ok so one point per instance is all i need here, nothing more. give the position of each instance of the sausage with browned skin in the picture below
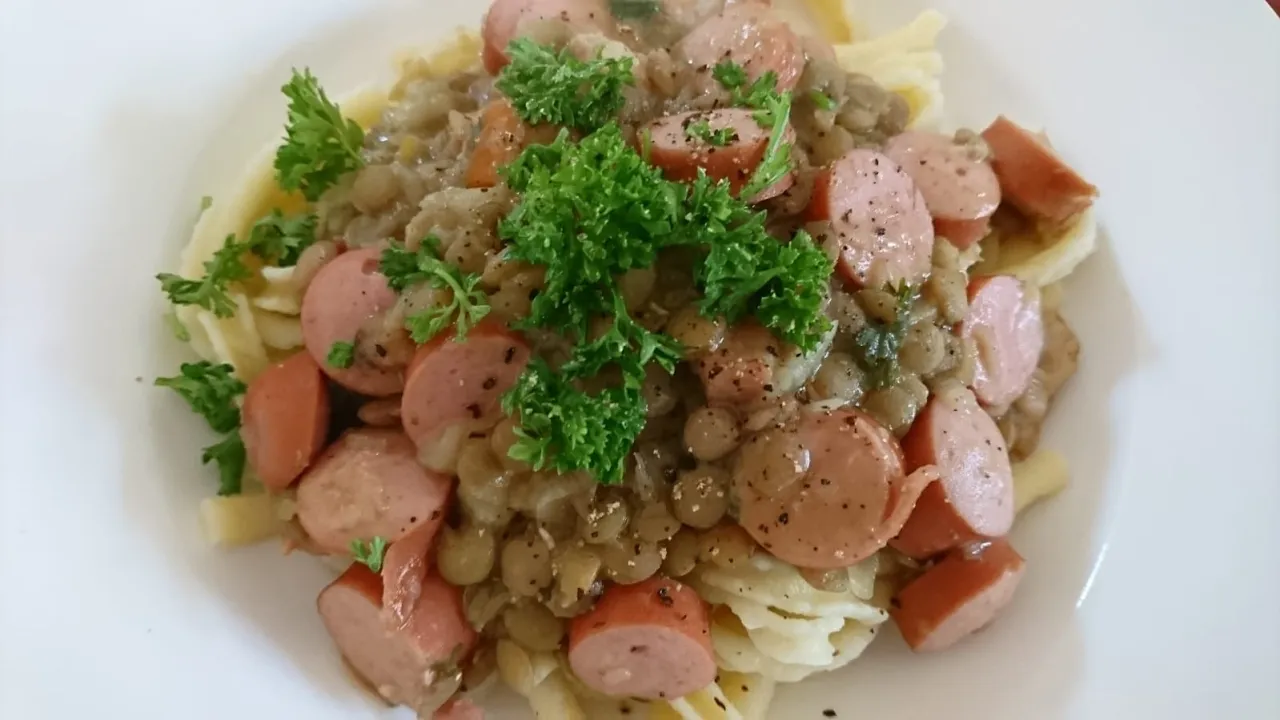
(959, 596)
(284, 420)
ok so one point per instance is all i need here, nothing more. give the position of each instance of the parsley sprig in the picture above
(878, 342)
(467, 305)
(210, 291)
(702, 131)
(371, 553)
(773, 113)
(211, 391)
(546, 86)
(280, 240)
(320, 144)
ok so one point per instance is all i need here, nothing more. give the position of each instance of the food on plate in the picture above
(643, 354)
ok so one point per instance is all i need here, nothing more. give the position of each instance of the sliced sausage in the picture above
(284, 420)
(1034, 177)
(452, 382)
(404, 569)
(741, 371)
(502, 138)
(502, 22)
(369, 484)
(974, 497)
(880, 223)
(961, 233)
(1005, 323)
(348, 297)
(649, 640)
(752, 36)
(955, 185)
(959, 596)
(828, 493)
(681, 152)
(409, 666)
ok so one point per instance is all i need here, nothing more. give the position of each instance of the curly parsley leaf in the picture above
(634, 9)
(749, 272)
(370, 553)
(546, 86)
(341, 355)
(229, 455)
(210, 291)
(467, 304)
(878, 342)
(320, 144)
(280, 240)
(626, 344)
(588, 212)
(567, 429)
(702, 131)
(773, 112)
(210, 390)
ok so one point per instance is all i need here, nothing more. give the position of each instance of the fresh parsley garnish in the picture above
(209, 292)
(822, 100)
(176, 327)
(370, 553)
(633, 9)
(546, 86)
(467, 305)
(280, 240)
(749, 272)
(773, 113)
(320, 144)
(568, 429)
(591, 211)
(878, 342)
(588, 212)
(341, 355)
(229, 455)
(206, 202)
(211, 391)
(702, 131)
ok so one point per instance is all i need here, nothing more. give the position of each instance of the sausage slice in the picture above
(955, 186)
(409, 666)
(451, 382)
(650, 640)
(829, 493)
(345, 298)
(750, 35)
(961, 233)
(974, 497)
(879, 220)
(284, 420)
(1034, 177)
(502, 23)
(741, 371)
(369, 484)
(959, 596)
(680, 151)
(1004, 321)
(404, 569)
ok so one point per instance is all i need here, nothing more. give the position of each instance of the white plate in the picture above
(116, 117)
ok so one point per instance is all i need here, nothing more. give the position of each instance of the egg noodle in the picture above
(769, 625)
